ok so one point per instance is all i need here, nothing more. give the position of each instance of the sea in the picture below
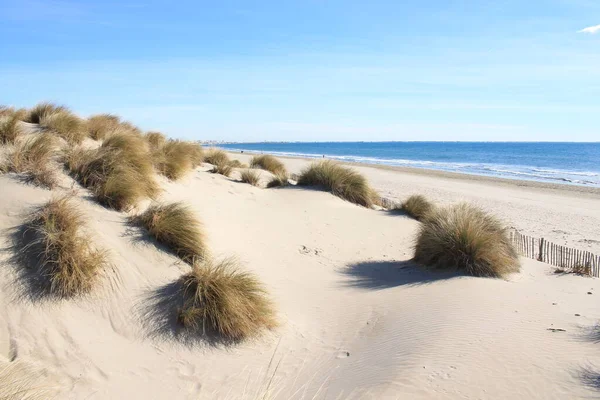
(567, 163)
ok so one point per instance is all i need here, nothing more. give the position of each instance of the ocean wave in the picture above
(496, 170)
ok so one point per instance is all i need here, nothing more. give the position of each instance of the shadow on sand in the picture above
(26, 250)
(377, 275)
(590, 377)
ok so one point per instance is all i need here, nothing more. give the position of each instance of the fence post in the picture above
(540, 255)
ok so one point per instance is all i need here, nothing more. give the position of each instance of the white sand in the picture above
(358, 320)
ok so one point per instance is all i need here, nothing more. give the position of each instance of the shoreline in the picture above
(521, 183)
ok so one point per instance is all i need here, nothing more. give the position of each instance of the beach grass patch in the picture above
(466, 239)
(175, 226)
(342, 181)
(219, 298)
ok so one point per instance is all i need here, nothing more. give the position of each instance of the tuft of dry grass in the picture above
(237, 164)
(66, 125)
(101, 126)
(175, 226)
(10, 130)
(418, 207)
(119, 173)
(10, 112)
(18, 381)
(223, 169)
(465, 238)
(268, 163)
(34, 158)
(251, 177)
(155, 139)
(175, 158)
(278, 181)
(67, 259)
(342, 181)
(216, 157)
(219, 298)
(42, 111)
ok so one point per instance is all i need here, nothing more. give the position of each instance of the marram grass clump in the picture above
(418, 207)
(42, 111)
(216, 157)
(119, 173)
(464, 238)
(219, 298)
(67, 259)
(175, 226)
(10, 130)
(66, 125)
(278, 180)
(268, 163)
(34, 158)
(342, 181)
(100, 126)
(175, 158)
(251, 177)
(223, 169)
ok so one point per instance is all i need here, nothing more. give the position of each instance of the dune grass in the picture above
(10, 130)
(175, 226)
(237, 164)
(174, 158)
(216, 157)
(278, 180)
(66, 125)
(221, 299)
(417, 206)
(34, 158)
(466, 239)
(43, 110)
(155, 139)
(100, 126)
(268, 163)
(119, 173)
(67, 259)
(18, 381)
(342, 181)
(223, 169)
(10, 112)
(251, 177)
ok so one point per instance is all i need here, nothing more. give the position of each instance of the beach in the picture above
(567, 215)
(357, 318)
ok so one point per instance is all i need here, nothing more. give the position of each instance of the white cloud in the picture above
(591, 29)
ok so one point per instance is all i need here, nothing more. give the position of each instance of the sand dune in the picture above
(358, 319)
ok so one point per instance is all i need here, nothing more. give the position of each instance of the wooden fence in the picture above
(569, 259)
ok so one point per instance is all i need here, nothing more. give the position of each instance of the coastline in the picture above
(567, 215)
(562, 187)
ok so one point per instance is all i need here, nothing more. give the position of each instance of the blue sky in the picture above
(314, 70)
